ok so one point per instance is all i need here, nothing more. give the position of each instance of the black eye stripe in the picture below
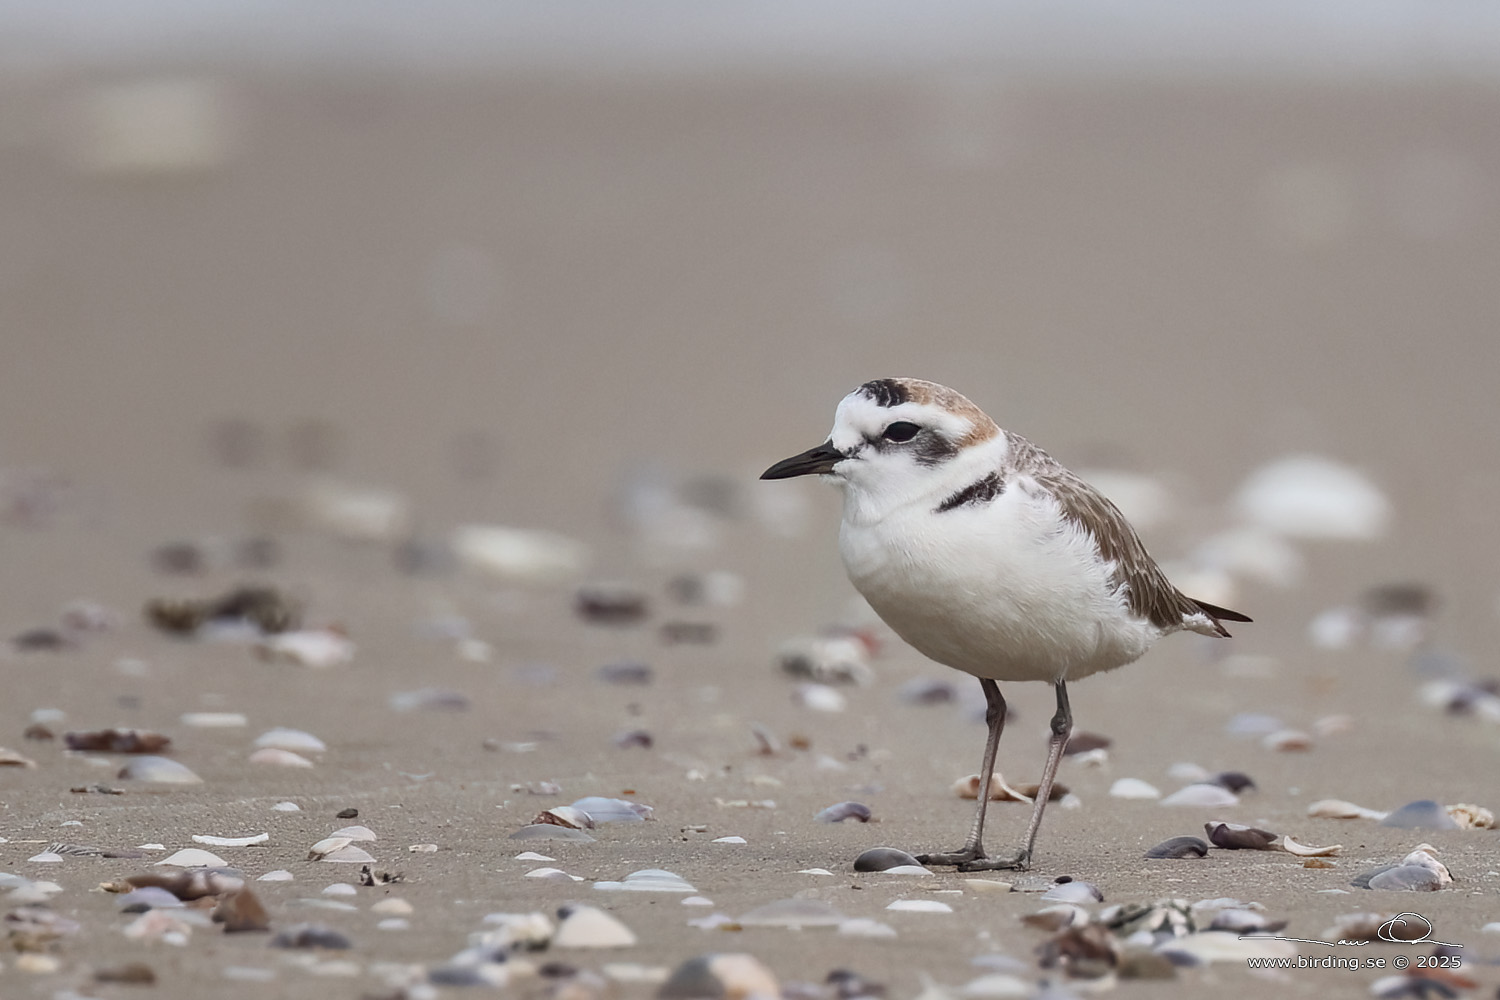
(901, 431)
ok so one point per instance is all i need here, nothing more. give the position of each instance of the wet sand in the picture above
(682, 277)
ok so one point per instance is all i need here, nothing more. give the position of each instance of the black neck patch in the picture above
(886, 392)
(981, 492)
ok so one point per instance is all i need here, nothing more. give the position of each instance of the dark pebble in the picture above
(633, 739)
(928, 691)
(1083, 742)
(878, 859)
(131, 973)
(844, 810)
(689, 633)
(311, 936)
(625, 673)
(848, 985)
(40, 640)
(611, 604)
(1235, 781)
(1179, 847)
(350, 813)
(1234, 837)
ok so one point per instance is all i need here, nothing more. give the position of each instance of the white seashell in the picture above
(279, 758)
(1224, 946)
(1425, 857)
(287, 807)
(1098, 757)
(729, 840)
(167, 926)
(997, 984)
(697, 901)
(340, 889)
(429, 849)
(46, 858)
(215, 720)
(634, 972)
(556, 874)
(1201, 795)
(1303, 851)
(920, 906)
(1471, 817)
(814, 871)
(648, 880)
(193, 857)
(867, 928)
(359, 833)
(259, 838)
(819, 698)
(1184, 771)
(1308, 496)
(589, 927)
(358, 514)
(968, 788)
(350, 855)
(905, 870)
(827, 660)
(393, 906)
(532, 856)
(1493, 927)
(315, 648)
(158, 770)
(294, 740)
(1332, 725)
(1287, 740)
(1134, 788)
(1339, 809)
(279, 875)
(393, 924)
(1337, 628)
(519, 555)
(606, 810)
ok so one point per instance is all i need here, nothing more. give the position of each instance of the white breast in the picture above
(1008, 590)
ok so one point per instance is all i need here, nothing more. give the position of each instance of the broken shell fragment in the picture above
(606, 810)
(879, 859)
(1287, 740)
(1339, 809)
(1303, 851)
(1179, 847)
(1469, 816)
(259, 838)
(567, 816)
(1055, 918)
(827, 660)
(1235, 837)
(518, 555)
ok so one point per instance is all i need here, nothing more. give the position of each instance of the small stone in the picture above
(116, 741)
(879, 859)
(720, 977)
(1235, 837)
(311, 936)
(241, 911)
(842, 811)
(349, 813)
(1179, 847)
(131, 973)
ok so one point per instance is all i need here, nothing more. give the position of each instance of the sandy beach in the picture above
(600, 307)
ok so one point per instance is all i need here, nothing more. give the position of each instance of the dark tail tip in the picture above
(1221, 614)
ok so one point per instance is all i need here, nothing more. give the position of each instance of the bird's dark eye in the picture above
(901, 430)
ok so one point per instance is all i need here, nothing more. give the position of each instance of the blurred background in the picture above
(553, 265)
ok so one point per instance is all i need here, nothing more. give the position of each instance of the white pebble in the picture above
(295, 740)
(920, 906)
(730, 840)
(865, 927)
(1201, 795)
(287, 807)
(820, 698)
(533, 856)
(215, 720)
(1134, 788)
(394, 924)
(392, 906)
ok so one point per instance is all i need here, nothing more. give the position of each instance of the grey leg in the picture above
(1062, 727)
(994, 717)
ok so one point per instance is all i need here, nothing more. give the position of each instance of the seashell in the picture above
(1239, 920)
(605, 810)
(842, 811)
(9, 758)
(1332, 725)
(549, 831)
(1213, 796)
(1303, 851)
(358, 513)
(625, 673)
(1424, 814)
(556, 874)
(131, 973)
(214, 720)
(1188, 772)
(611, 604)
(279, 875)
(819, 698)
(567, 816)
(241, 911)
(422, 848)
(193, 857)
(919, 906)
(1205, 947)
(294, 740)
(1056, 918)
(648, 880)
(159, 925)
(311, 936)
(349, 855)
(327, 846)
(1074, 891)
(41, 639)
(866, 928)
(968, 788)
(316, 648)
(1179, 847)
(150, 897)
(1407, 878)
(117, 741)
(827, 660)
(1087, 952)
(1252, 724)
(435, 699)
(393, 905)
(1471, 816)
(722, 976)
(879, 859)
(277, 757)
(1425, 856)
(356, 833)
(1308, 496)
(1287, 741)
(518, 555)
(590, 927)
(716, 588)
(46, 858)
(259, 838)
(729, 840)
(1234, 837)
(1134, 788)
(793, 913)
(1339, 809)
(286, 807)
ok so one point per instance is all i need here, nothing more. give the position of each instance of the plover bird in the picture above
(985, 554)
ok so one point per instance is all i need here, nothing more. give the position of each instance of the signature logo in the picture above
(1403, 928)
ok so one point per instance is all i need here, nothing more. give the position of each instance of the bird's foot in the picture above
(962, 856)
(1020, 861)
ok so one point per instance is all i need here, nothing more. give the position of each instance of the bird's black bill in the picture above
(814, 461)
